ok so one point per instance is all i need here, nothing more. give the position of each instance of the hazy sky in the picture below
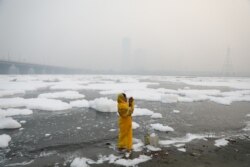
(180, 35)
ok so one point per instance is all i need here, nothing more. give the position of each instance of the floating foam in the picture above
(221, 142)
(152, 148)
(185, 99)
(221, 100)
(46, 104)
(9, 123)
(144, 94)
(182, 149)
(67, 85)
(15, 111)
(156, 115)
(176, 111)
(112, 159)
(103, 104)
(179, 145)
(112, 130)
(24, 163)
(4, 140)
(162, 128)
(137, 145)
(23, 122)
(110, 92)
(132, 162)
(47, 135)
(247, 128)
(193, 92)
(65, 94)
(81, 162)
(135, 125)
(12, 102)
(10, 92)
(80, 103)
(169, 98)
(237, 83)
(23, 86)
(107, 86)
(34, 103)
(142, 111)
(188, 138)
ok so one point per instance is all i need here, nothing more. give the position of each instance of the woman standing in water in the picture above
(125, 110)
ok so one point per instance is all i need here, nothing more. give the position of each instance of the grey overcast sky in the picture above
(164, 35)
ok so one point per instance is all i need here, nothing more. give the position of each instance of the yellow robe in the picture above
(125, 123)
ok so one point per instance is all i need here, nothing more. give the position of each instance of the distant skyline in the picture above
(188, 36)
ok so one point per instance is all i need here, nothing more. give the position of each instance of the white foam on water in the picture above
(111, 159)
(140, 91)
(103, 104)
(195, 92)
(156, 115)
(4, 140)
(80, 103)
(12, 102)
(142, 111)
(188, 138)
(64, 94)
(160, 127)
(120, 86)
(144, 94)
(169, 98)
(10, 92)
(247, 127)
(22, 86)
(81, 162)
(221, 100)
(182, 149)
(46, 104)
(21, 163)
(47, 135)
(221, 142)
(176, 111)
(135, 125)
(179, 145)
(237, 83)
(34, 103)
(103, 158)
(67, 85)
(185, 99)
(9, 123)
(23, 122)
(110, 92)
(132, 162)
(137, 145)
(152, 148)
(14, 111)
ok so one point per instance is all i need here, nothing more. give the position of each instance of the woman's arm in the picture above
(131, 106)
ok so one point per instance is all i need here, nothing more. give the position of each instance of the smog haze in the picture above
(128, 35)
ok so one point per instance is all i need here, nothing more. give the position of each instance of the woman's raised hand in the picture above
(130, 101)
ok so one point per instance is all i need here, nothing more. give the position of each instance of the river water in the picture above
(55, 138)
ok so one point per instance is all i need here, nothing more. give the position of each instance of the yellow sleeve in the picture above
(123, 109)
(131, 109)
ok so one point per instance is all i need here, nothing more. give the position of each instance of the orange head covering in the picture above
(121, 98)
